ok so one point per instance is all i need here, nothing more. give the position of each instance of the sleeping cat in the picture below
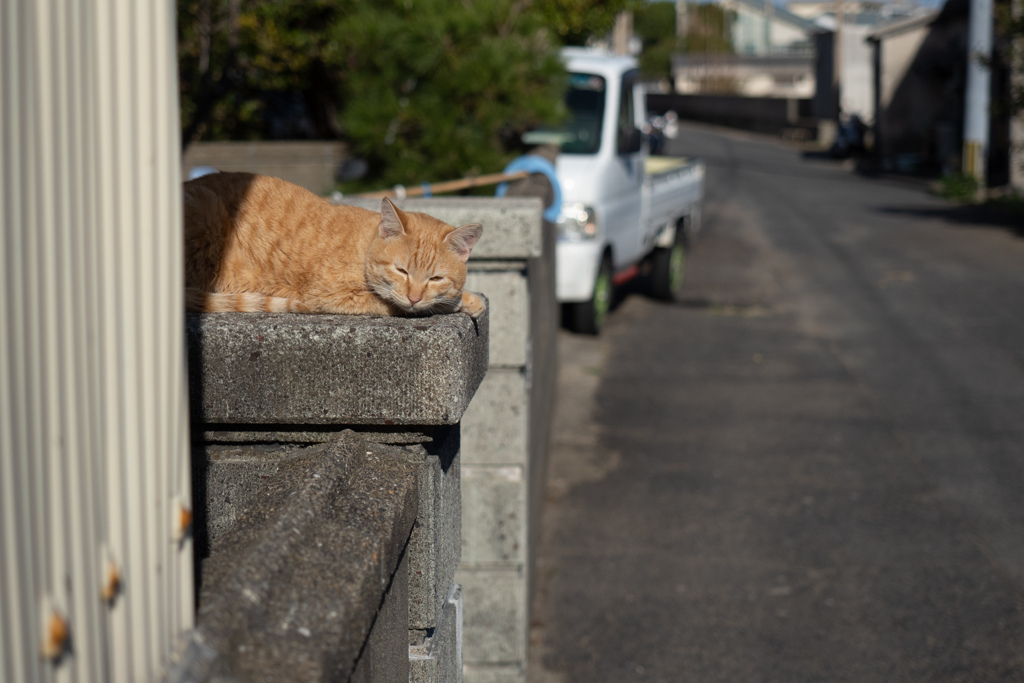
(256, 243)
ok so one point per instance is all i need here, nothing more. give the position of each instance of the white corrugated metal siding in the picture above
(94, 463)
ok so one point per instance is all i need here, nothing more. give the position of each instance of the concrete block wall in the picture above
(505, 429)
(312, 164)
(505, 435)
(328, 507)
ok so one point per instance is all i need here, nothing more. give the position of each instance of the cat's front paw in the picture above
(472, 304)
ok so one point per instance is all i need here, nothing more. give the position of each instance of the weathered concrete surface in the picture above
(435, 547)
(508, 673)
(505, 443)
(311, 164)
(496, 609)
(300, 369)
(437, 658)
(385, 657)
(303, 543)
(496, 533)
(510, 224)
(495, 428)
(508, 293)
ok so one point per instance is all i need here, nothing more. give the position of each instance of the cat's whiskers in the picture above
(381, 287)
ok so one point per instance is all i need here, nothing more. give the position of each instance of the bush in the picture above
(959, 187)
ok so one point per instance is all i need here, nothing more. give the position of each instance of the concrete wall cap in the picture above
(302, 369)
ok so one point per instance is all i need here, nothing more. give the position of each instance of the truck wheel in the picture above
(668, 268)
(587, 317)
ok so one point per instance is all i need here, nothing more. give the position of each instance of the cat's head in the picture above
(417, 262)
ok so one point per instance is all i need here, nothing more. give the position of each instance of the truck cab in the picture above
(605, 228)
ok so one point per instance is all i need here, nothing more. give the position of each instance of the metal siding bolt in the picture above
(112, 585)
(183, 522)
(56, 636)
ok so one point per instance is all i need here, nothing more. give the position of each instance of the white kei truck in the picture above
(624, 213)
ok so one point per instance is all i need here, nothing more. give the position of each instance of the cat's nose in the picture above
(415, 299)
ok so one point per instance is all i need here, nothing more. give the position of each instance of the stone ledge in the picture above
(304, 542)
(304, 369)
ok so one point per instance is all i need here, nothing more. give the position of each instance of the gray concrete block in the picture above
(494, 527)
(437, 658)
(384, 659)
(303, 543)
(508, 297)
(311, 434)
(302, 369)
(512, 227)
(494, 616)
(311, 164)
(494, 674)
(495, 426)
(435, 546)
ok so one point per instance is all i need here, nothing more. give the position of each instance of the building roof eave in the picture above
(902, 26)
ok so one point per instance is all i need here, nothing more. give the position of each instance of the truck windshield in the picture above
(581, 134)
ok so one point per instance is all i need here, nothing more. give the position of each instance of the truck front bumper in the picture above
(576, 267)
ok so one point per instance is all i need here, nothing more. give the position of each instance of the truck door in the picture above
(625, 179)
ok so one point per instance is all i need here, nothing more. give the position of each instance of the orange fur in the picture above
(256, 243)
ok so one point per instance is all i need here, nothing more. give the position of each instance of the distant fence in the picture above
(312, 164)
(762, 114)
(778, 75)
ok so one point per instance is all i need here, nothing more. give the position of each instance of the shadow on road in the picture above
(998, 215)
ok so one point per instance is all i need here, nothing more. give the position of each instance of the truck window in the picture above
(581, 134)
(585, 99)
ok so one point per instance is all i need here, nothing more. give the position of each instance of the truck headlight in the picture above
(576, 223)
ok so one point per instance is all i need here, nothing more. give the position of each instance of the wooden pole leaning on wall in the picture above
(428, 189)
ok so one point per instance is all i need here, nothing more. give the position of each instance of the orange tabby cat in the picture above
(256, 243)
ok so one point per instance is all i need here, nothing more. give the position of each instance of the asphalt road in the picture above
(811, 468)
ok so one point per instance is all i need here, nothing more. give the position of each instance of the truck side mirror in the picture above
(630, 140)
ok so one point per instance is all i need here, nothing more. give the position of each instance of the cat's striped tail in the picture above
(247, 302)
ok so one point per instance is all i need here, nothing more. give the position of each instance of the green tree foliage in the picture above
(655, 24)
(237, 60)
(422, 89)
(577, 20)
(432, 87)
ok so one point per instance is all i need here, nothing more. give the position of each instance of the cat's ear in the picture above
(462, 240)
(390, 220)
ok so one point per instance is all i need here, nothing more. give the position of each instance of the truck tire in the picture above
(668, 266)
(588, 317)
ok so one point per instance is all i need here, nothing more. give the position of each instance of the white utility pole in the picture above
(976, 95)
(622, 32)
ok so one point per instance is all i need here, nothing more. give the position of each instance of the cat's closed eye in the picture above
(437, 278)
